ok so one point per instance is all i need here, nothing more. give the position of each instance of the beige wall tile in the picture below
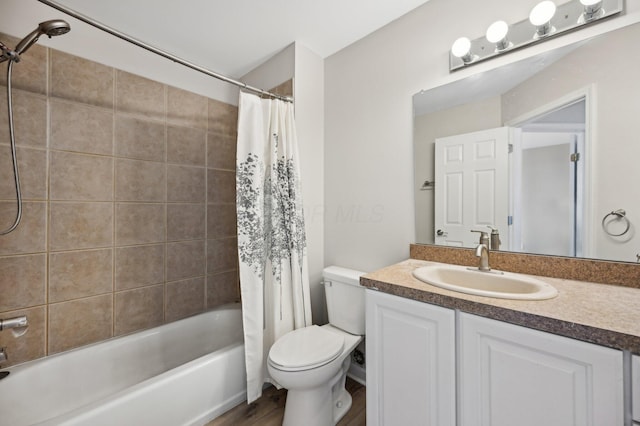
(81, 128)
(138, 223)
(221, 151)
(31, 234)
(22, 281)
(80, 225)
(223, 118)
(29, 119)
(80, 177)
(93, 288)
(80, 322)
(31, 72)
(184, 298)
(186, 184)
(81, 80)
(77, 274)
(221, 186)
(32, 167)
(30, 345)
(185, 221)
(186, 108)
(185, 260)
(139, 309)
(140, 180)
(222, 288)
(139, 95)
(221, 221)
(139, 266)
(222, 255)
(186, 146)
(139, 139)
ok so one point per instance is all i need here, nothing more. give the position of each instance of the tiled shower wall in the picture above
(129, 203)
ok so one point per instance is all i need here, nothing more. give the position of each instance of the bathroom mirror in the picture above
(544, 150)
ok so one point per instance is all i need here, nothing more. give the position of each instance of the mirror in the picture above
(560, 178)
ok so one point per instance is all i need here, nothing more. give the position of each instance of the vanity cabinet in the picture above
(515, 375)
(426, 364)
(410, 362)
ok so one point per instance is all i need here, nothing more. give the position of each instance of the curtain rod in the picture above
(162, 53)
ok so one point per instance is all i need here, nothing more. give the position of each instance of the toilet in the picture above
(312, 362)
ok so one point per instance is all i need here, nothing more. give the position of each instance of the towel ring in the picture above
(620, 214)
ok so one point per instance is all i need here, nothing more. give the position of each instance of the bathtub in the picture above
(182, 373)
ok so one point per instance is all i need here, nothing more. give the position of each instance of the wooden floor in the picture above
(269, 409)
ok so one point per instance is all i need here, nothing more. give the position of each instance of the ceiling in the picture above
(234, 36)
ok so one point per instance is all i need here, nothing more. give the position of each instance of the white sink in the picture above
(503, 285)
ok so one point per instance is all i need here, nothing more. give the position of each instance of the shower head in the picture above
(51, 28)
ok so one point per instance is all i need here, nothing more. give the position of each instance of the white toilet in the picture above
(312, 362)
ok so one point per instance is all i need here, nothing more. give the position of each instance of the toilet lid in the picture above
(306, 348)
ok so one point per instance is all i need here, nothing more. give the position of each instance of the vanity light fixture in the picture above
(540, 17)
(497, 34)
(592, 9)
(546, 20)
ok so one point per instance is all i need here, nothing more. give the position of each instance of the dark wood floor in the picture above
(269, 409)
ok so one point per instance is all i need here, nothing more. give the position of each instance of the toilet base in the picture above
(311, 407)
(341, 405)
(320, 406)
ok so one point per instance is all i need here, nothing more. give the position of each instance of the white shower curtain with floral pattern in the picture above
(274, 281)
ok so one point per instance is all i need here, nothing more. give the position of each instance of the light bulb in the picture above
(461, 48)
(541, 15)
(497, 33)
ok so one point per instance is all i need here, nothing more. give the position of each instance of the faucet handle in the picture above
(484, 237)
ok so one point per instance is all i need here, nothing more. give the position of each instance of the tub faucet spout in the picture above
(17, 322)
(483, 253)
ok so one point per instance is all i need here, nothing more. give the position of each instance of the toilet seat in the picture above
(305, 348)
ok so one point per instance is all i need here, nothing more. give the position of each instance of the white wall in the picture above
(368, 119)
(309, 94)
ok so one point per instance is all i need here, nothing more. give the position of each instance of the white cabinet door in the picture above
(512, 375)
(410, 362)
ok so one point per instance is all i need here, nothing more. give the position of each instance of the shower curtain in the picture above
(274, 281)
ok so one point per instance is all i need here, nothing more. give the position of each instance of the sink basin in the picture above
(503, 285)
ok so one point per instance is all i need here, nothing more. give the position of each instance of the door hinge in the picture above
(510, 148)
(509, 220)
(575, 157)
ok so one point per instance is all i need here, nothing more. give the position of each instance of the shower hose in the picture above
(13, 153)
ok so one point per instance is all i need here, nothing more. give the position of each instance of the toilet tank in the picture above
(345, 299)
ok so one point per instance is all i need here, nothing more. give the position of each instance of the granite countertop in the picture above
(607, 315)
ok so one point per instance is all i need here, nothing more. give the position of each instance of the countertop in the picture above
(607, 315)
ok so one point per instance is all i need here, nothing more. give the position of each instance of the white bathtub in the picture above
(182, 373)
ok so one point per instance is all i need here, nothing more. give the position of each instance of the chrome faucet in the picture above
(482, 251)
(17, 322)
